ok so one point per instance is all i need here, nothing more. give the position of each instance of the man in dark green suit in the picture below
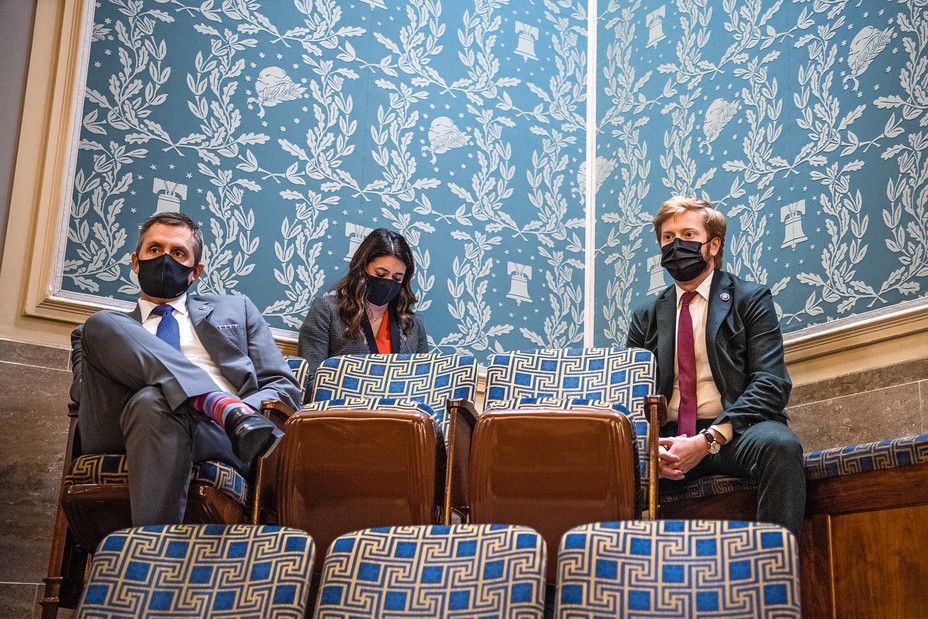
(734, 384)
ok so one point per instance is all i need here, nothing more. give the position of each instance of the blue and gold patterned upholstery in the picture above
(623, 375)
(678, 568)
(708, 485)
(580, 378)
(219, 571)
(878, 456)
(106, 469)
(300, 368)
(456, 571)
(429, 378)
(821, 464)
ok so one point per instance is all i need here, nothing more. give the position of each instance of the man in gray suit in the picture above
(180, 378)
(727, 388)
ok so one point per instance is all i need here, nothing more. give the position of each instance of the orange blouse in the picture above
(383, 335)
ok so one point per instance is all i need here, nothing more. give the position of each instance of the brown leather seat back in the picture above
(345, 470)
(552, 470)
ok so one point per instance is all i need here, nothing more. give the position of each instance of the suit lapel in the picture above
(666, 309)
(721, 300)
(225, 354)
(199, 311)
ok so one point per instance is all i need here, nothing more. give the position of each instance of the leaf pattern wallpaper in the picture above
(803, 121)
(290, 128)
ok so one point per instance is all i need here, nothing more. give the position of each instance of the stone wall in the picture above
(34, 382)
(867, 406)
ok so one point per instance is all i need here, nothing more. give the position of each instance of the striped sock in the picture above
(216, 404)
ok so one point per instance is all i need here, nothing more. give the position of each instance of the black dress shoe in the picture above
(252, 434)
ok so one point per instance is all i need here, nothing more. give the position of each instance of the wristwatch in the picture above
(713, 446)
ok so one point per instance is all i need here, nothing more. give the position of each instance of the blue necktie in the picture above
(168, 329)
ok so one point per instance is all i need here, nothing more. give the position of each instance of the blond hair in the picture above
(712, 219)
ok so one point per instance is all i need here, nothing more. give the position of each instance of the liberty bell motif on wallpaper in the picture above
(527, 37)
(791, 215)
(356, 235)
(656, 272)
(518, 287)
(655, 20)
(169, 195)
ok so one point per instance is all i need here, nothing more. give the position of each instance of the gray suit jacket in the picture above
(744, 345)
(323, 335)
(237, 338)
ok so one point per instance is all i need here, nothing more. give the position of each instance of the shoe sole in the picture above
(271, 445)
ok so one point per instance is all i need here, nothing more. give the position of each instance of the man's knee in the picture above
(149, 408)
(780, 448)
(98, 329)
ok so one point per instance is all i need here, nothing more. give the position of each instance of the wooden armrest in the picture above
(656, 413)
(463, 417)
(266, 468)
(276, 411)
(465, 409)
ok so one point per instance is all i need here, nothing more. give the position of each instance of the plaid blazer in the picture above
(323, 335)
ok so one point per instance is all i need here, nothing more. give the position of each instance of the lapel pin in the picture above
(725, 296)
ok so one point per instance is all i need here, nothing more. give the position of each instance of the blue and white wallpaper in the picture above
(290, 129)
(804, 121)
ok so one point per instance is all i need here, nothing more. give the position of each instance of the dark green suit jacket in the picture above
(743, 342)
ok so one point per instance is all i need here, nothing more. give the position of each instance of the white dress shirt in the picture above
(708, 398)
(190, 345)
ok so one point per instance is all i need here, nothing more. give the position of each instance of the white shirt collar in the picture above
(179, 304)
(703, 288)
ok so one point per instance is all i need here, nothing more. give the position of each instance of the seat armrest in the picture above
(656, 413)
(265, 482)
(462, 415)
(276, 411)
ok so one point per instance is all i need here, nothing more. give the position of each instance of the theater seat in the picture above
(94, 502)
(622, 380)
(678, 568)
(865, 505)
(551, 470)
(194, 571)
(443, 386)
(454, 572)
(344, 469)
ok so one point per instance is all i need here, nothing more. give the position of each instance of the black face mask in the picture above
(683, 259)
(163, 277)
(381, 291)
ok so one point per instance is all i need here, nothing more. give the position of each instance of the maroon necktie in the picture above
(686, 368)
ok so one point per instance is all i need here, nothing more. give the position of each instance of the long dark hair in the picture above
(351, 291)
